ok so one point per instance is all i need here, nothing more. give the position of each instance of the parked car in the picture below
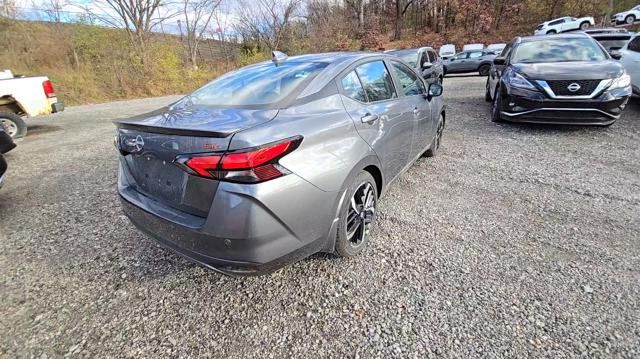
(496, 48)
(565, 79)
(446, 51)
(424, 60)
(564, 24)
(469, 61)
(6, 145)
(611, 39)
(273, 162)
(469, 47)
(22, 97)
(627, 17)
(630, 59)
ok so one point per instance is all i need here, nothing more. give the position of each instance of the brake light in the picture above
(252, 165)
(47, 86)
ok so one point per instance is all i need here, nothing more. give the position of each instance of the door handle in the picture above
(369, 118)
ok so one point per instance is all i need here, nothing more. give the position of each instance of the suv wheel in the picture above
(487, 92)
(497, 107)
(484, 70)
(551, 32)
(13, 125)
(584, 25)
(630, 19)
(357, 216)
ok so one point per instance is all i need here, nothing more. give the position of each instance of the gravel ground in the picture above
(514, 241)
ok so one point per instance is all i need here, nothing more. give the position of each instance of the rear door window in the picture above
(475, 54)
(634, 45)
(410, 84)
(353, 88)
(376, 81)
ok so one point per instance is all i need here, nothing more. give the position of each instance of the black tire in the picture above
(497, 107)
(13, 125)
(487, 92)
(444, 71)
(630, 19)
(584, 25)
(484, 70)
(551, 32)
(437, 139)
(347, 244)
(440, 80)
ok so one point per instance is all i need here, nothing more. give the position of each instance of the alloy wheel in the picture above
(361, 214)
(9, 126)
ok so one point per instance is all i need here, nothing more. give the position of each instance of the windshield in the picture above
(409, 56)
(558, 50)
(262, 84)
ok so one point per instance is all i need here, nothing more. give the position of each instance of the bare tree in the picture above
(401, 9)
(267, 21)
(8, 9)
(198, 15)
(53, 9)
(358, 7)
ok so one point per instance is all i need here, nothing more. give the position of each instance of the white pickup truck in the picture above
(23, 97)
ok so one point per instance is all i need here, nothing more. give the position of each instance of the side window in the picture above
(353, 88)
(423, 58)
(634, 45)
(475, 54)
(376, 81)
(410, 83)
(506, 51)
(557, 22)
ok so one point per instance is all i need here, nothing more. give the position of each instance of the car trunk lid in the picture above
(149, 145)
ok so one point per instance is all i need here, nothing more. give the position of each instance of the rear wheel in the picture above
(484, 70)
(357, 216)
(584, 25)
(551, 32)
(437, 139)
(13, 125)
(630, 19)
(497, 107)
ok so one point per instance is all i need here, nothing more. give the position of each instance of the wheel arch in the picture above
(10, 104)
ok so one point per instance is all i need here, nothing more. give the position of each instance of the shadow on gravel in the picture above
(35, 130)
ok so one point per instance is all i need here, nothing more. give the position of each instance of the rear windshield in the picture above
(558, 50)
(263, 84)
(409, 56)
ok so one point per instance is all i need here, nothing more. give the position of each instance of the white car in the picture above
(469, 47)
(497, 48)
(630, 59)
(22, 97)
(564, 24)
(447, 50)
(627, 17)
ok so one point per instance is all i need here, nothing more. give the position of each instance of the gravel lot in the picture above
(514, 241)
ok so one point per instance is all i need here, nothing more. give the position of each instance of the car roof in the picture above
(331, 57)
(573, 35)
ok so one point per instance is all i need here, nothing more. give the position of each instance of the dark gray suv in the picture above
(276, 161)
(425, 61)
(470, 61)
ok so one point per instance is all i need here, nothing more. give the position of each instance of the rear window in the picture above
(263, 84)
(558, 50)
(409, 56)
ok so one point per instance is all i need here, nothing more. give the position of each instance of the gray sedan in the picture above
(273, 162)
(470, 61)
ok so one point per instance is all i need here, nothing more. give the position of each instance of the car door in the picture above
(457, 63)
(427, 74)
(496, 70)
(413, 90)
(570, 24)
(473, 61)
(382, 119)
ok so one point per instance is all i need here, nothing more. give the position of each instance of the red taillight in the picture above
(47, 86)
(245, 166)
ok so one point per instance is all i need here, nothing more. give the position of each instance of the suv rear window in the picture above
(262, 84)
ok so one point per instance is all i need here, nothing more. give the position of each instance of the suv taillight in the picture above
(251, 165)
(47, 86)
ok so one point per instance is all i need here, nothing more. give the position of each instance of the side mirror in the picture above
(426, 65)
(435, 90)
(499, 61)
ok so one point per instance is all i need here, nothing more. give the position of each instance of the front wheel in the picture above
(13, 125)
(630, 19)
(551, 32)
(437, 138)
(487, 92)
(584, 25)
(497, 107)
(357, 216)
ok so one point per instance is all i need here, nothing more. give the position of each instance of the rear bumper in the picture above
(57, 106)
(249, 230)
(533, 107)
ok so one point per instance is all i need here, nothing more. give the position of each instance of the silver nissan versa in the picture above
(276, 161)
